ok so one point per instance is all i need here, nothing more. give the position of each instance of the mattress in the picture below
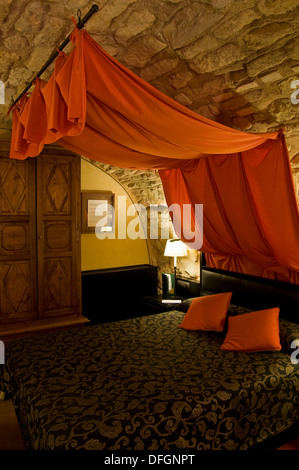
(146, 384)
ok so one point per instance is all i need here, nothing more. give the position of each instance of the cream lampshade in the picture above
(175, 248)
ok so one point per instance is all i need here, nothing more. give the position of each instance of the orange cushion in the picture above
(207, 313)
(254, 331)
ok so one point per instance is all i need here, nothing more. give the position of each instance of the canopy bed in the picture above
(171, 387)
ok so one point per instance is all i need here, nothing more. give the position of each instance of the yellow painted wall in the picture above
(109, 253)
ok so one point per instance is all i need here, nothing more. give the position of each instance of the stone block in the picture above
(183, 99)
(282, 110)
(292, 49)
(199, 47)
(267, 61)
(239, 75)
(142, 50)
(17, 43)
(209, 88)
(247, 87)
(137, 22)
(50, 34)
(4, 9)
(38, 57)
(242, 124)
(223, 97)
(108, 11)
(246, 111)
(18, 76)
(223, 57)
(267, 7)
(234, 24)
(189, 23)
(31, 19)
(271, 77)
(221, 3)
(161, 67)
(267, 35)
(209, 111)
(180, 79)
(234, 103)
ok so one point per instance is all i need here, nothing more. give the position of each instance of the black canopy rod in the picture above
(80, 25)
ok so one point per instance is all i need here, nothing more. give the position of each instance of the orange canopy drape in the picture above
(95, 106)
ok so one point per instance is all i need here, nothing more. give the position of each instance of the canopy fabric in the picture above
(250, 213)
(96, 107)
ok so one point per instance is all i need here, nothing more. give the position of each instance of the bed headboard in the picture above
(253, 292)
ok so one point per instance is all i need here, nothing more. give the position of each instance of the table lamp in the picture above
(175, 248)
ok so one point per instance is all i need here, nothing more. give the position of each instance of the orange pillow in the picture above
(254, 331)
(207, 313)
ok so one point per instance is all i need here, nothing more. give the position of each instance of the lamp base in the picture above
(168, 285)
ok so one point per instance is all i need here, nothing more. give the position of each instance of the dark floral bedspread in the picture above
(144, 383)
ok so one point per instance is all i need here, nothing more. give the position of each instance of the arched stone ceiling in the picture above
(233, 61)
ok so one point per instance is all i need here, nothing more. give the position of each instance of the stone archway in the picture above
(145, 188)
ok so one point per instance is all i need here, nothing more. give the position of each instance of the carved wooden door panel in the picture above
(58, 191)
(18, 287)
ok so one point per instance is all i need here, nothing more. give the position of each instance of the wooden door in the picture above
(18, 287)
(58, 232)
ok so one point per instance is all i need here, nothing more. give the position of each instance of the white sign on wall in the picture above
(2, 92)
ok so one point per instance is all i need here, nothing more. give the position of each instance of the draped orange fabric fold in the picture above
(250, 213)
(96, 107)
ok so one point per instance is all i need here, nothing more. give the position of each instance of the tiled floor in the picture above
(11, 439)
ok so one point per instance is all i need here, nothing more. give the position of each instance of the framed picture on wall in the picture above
(97, 208)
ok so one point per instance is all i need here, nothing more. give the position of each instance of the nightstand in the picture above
(154, 304)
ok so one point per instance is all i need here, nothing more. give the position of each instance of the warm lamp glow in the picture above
(175, 248)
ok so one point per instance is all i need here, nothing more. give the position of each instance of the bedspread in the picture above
(144, 383)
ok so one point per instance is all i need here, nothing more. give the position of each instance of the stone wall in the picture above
(230, 60)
